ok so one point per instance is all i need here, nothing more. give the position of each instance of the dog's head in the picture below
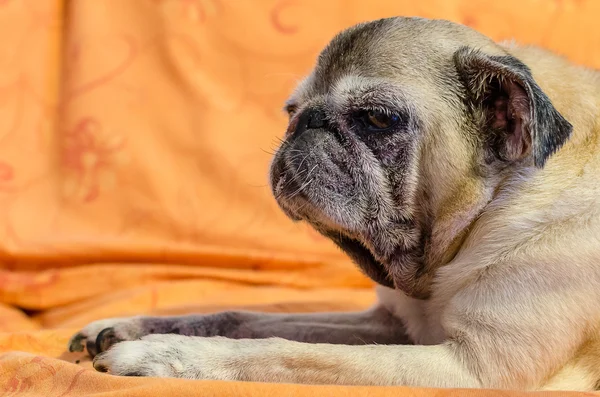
(398, 136)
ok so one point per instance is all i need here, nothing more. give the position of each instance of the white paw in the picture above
(170, 355)
(100, 335)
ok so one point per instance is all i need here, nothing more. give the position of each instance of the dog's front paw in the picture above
(100, 335)
(173, 356)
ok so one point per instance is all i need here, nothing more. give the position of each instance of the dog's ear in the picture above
(518, 115)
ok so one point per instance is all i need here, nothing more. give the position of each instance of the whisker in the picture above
(269, 152)
(305, 184)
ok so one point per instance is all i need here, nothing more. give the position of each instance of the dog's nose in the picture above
(311, 118)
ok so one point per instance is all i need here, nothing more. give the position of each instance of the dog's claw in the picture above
(105, 339)
(76, 343)
(98, 363)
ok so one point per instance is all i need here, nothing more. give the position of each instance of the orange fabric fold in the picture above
(135, 140)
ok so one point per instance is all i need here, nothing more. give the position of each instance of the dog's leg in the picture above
(376, 325)
(498, 335)
(279, 360)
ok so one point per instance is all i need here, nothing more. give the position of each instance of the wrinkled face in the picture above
(349, 162)
(346, 167)
(381, 140)
(337, 164)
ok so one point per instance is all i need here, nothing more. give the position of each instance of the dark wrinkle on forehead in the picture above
(390, 48)
(347, 54)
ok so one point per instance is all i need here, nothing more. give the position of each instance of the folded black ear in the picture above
(518, 115)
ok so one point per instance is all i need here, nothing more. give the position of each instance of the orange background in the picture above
(135, 138)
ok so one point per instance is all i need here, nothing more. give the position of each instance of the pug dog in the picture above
(463, 176)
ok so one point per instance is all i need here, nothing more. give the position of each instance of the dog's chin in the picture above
(299, 206)
(333, 216)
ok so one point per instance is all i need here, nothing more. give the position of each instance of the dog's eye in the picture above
(377, 120)
(291, 109)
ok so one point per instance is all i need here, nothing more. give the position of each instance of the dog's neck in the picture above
(454, 218)
(444, 233)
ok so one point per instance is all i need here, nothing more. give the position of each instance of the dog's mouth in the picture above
(363, 257)
(311, 180)
(287, 190)
(289, 195)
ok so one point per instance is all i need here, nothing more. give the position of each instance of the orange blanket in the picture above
(134, 147)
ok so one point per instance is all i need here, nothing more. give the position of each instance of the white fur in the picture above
(278, 360)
